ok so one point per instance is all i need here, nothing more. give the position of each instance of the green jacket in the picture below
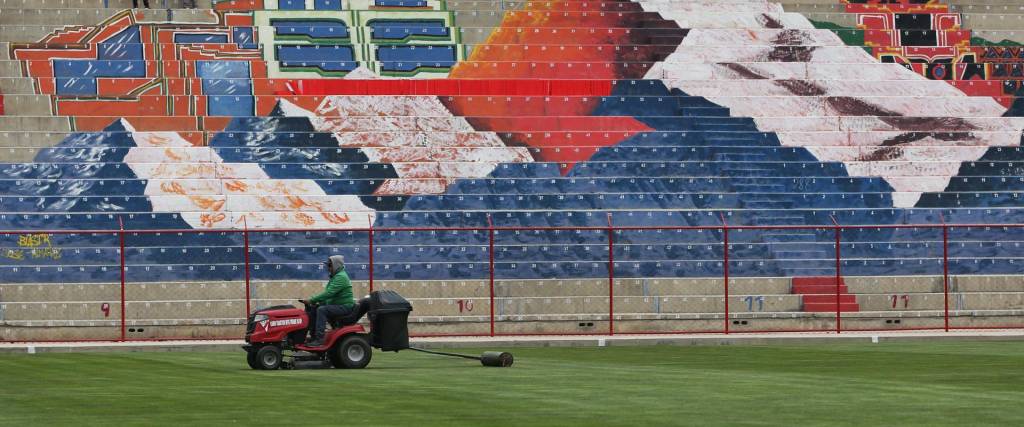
(338, 291)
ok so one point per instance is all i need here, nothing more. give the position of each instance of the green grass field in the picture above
(944, 383)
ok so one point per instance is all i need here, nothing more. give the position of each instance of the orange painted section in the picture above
(519, 113)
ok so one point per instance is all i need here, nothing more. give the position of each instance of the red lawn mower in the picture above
(276, 333)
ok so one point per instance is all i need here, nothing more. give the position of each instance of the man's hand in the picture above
(305, 301)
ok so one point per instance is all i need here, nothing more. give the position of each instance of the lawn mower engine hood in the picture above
(272, 324)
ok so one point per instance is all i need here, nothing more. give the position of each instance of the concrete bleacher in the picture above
(801, 112)
(156, 310)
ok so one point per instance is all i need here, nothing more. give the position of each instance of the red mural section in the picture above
(163, 87)
(612, 29)
(159, 87)
(449, 87)
(238, 5)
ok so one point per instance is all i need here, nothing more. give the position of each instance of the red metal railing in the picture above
(839, 276)
(124, 271)
(490, 268)
(725, 270)
(610, 229)
(245, 250)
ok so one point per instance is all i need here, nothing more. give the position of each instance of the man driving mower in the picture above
(335, 301)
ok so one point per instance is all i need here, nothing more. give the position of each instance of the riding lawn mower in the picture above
(277, 333)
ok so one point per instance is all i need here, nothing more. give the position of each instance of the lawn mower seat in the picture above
(361, 308)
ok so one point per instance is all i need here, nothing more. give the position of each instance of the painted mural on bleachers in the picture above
(797, 71)
(741, 109)
(136, 64)
(930, 39)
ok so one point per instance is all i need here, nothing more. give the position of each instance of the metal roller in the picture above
(497, 359)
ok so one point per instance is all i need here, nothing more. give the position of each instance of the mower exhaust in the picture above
(496, 359)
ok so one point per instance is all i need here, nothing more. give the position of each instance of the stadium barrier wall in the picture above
(730, 318)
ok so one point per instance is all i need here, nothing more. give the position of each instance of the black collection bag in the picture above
(389, 320)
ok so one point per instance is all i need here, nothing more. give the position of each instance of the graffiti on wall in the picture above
(33, 247)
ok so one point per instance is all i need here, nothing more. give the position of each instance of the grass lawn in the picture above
(945, 383)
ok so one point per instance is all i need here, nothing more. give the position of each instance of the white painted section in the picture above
(428, 146)
(728, 67)
(208, 193)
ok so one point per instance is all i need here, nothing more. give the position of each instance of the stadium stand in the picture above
(536, 117)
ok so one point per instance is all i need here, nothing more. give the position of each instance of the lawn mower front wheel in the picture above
(250, 358)
(267, 358)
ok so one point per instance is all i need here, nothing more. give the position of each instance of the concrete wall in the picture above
(217, 309)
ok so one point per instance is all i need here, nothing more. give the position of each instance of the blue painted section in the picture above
(120, 56)
(228, 87)
(522, 255)
(291, 4)
(311, 28)
(994, 180)
(394, 29)
(687, 171)
(68, 185)
(411, 58)
(98, 68)
(327, 4)
(78, 77)
(400, 3)
(233, 145)
(336, 58)
(125, 46)
(244, 37)
(200, 38)
(289, 148)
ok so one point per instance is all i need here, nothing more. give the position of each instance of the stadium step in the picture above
(723, 127)
(776, 219)
(759, 188)
(800, 254)
(819, 294)
(740, 157)
(844, 299)
(794, 236)
(764, 204)
(830, 307)
(704, 112)
(745, 171)
(817, 284)
(806, 271)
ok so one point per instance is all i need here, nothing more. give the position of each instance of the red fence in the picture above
(813, 294)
